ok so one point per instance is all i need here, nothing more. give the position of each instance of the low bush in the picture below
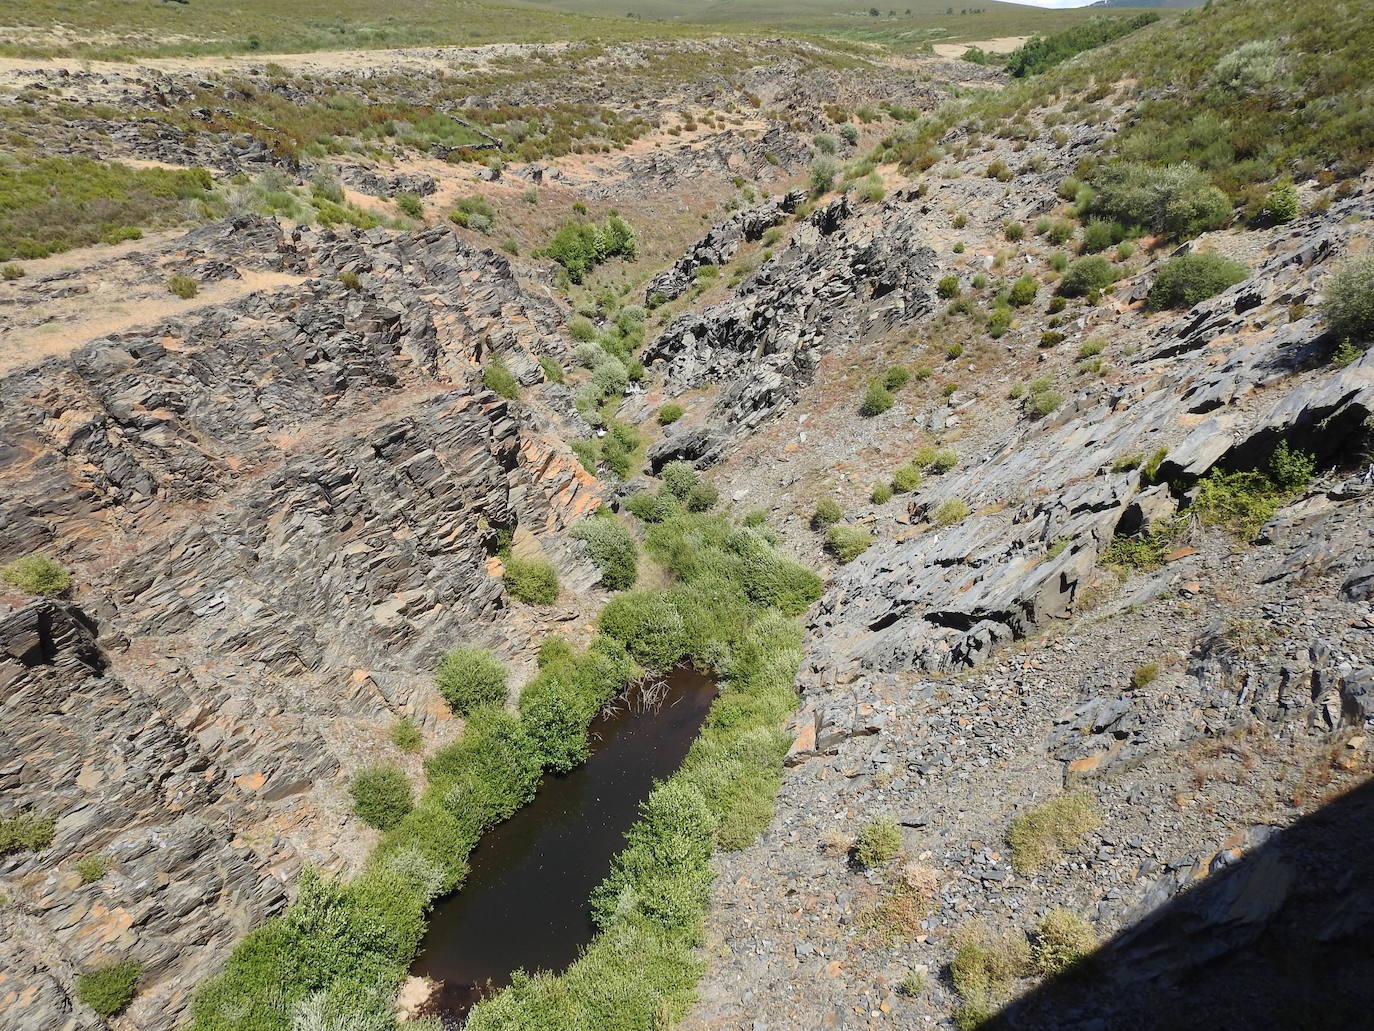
(827, 513)
(896, 377)
(1191, 278)
(500, 380)
(881, 495)
(183, 286)
(948, 287)
(1063, 939)
(1014, 231)
(1348, 299)
(108, 989)
(11, 271)
(410, 204)
(670, 413)
(553, 372)
(614, 550)
(878, 842)
(1178, 201)
(1145, 675)
(823, 172)
(473, 212)
(877, 399)
(906, 478)
(945, 459)
(405, 735)
(950, 511)
(847, 543)
(983, 970)
(531, 580)
(1041, 403)
(381, 796)
(25, 831)
(1039, 835)
(92, 867)
(37, 574)
(999, 322)
(581, 246)
(468, 677)
(1022, 292)
(1281, 205)
(1098, 235)
(1091, 348)
(1088, 275)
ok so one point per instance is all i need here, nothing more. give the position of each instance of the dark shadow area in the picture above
(1281, 937)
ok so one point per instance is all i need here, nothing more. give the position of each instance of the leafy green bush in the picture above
(1189, 279)
(581, 246)
(1282, 203)
(92, 867)
(896, 377)
(473, 212)
(500, 380)
(1348, 303)
(1098, 235)
(702, 497)
(108, 989)
(531, 580)
(1039, 835)
(670, 413)
(612, 547)
(11, 271)
(410, 204)
(1179, 200)
(468, 677)
(650, 626)
(999, 322)
(948, 287)
(1014, 231)
(183, 286)
(877, 399)
(405, 735)
(381, 796)
(1087, 275)
(553, 372)
(1243, 501)
(25, 831)
(823, 173)
(1022, 292)
(879, 841)
(827, 513)
(847, 543)
(37, 574)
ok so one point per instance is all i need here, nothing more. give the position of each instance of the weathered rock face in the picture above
(280, 511)
(1221, 384)
(848, 272)
(715, 248)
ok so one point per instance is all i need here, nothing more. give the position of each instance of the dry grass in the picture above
(1039, 836)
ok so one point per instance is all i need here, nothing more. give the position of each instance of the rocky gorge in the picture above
(285, 499)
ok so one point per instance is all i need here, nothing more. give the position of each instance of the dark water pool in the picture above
(524, 904)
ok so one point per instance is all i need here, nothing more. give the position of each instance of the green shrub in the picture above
(405, 735)
(351, 281)
(823, 173)
(612, 547)
(1062, 940)
(1098, 235)
(1050, 338)
(1145, 675)
(702, 497)
(468, 677)
(877, 399)
(847, 543)
(954, 351)
(948, 287)
(1014, 231)
(553, 372)
(879, 841)
(1179, 200)
(410, 204)
(1282, 203)
(1039, 835)
(827, 513)
(37, 574)
(581, 246)
(906, 478)
(108, 989)
(531, 580)
(92, 867)
(1022, 292)
(670, 413)
(896, 377)
(755, 517)
(500, 380)
(999, 322)
(25, 831)
(881, 495)
(950, 511)
(650, 627)
(11, 271)
(1191, 278)
(1087, 275)
(473, 212)
(1346, 353)
(945, 459)
(1348, 303)
(1041, 403)
(1091, 348)
(381, 796)
(183, 286)
(1061, 232)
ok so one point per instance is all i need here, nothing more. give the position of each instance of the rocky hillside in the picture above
(1082, 731)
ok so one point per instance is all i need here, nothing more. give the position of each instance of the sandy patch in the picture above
(1000, 45)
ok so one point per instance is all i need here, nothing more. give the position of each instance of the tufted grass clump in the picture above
(405, 735)
(950, 511)
(1062, 940)
(183, 286)
(381, 796)
(670, 413)
(879, 842)
(37, 574)
(500, 380)
(1039, 836)
(92, 867)
(877, 399)
(531, 580)
(983, 970)
(906, 478)
(108, 989)
(847, 543)
(468, 677)
(827, 514)
(881, 494)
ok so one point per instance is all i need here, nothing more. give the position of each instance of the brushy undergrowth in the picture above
(1039, 836)
(341, 948)
(37, 574)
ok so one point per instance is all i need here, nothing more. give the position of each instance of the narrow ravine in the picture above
(525, 903)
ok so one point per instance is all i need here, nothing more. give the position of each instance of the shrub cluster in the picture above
(1192, 278)
(1349, 299)
(612, 547)
(1088, 275)
(531, 580)
(1041, 53)
(108, 989)
(381, 796)
(1242, 501)
(469, 677)
(580, 246)
(25, 831)
(1178, 201)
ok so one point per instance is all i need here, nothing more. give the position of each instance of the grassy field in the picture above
(145, 28)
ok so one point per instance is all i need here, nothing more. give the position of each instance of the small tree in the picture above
(469, 677)
(1282, 203)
